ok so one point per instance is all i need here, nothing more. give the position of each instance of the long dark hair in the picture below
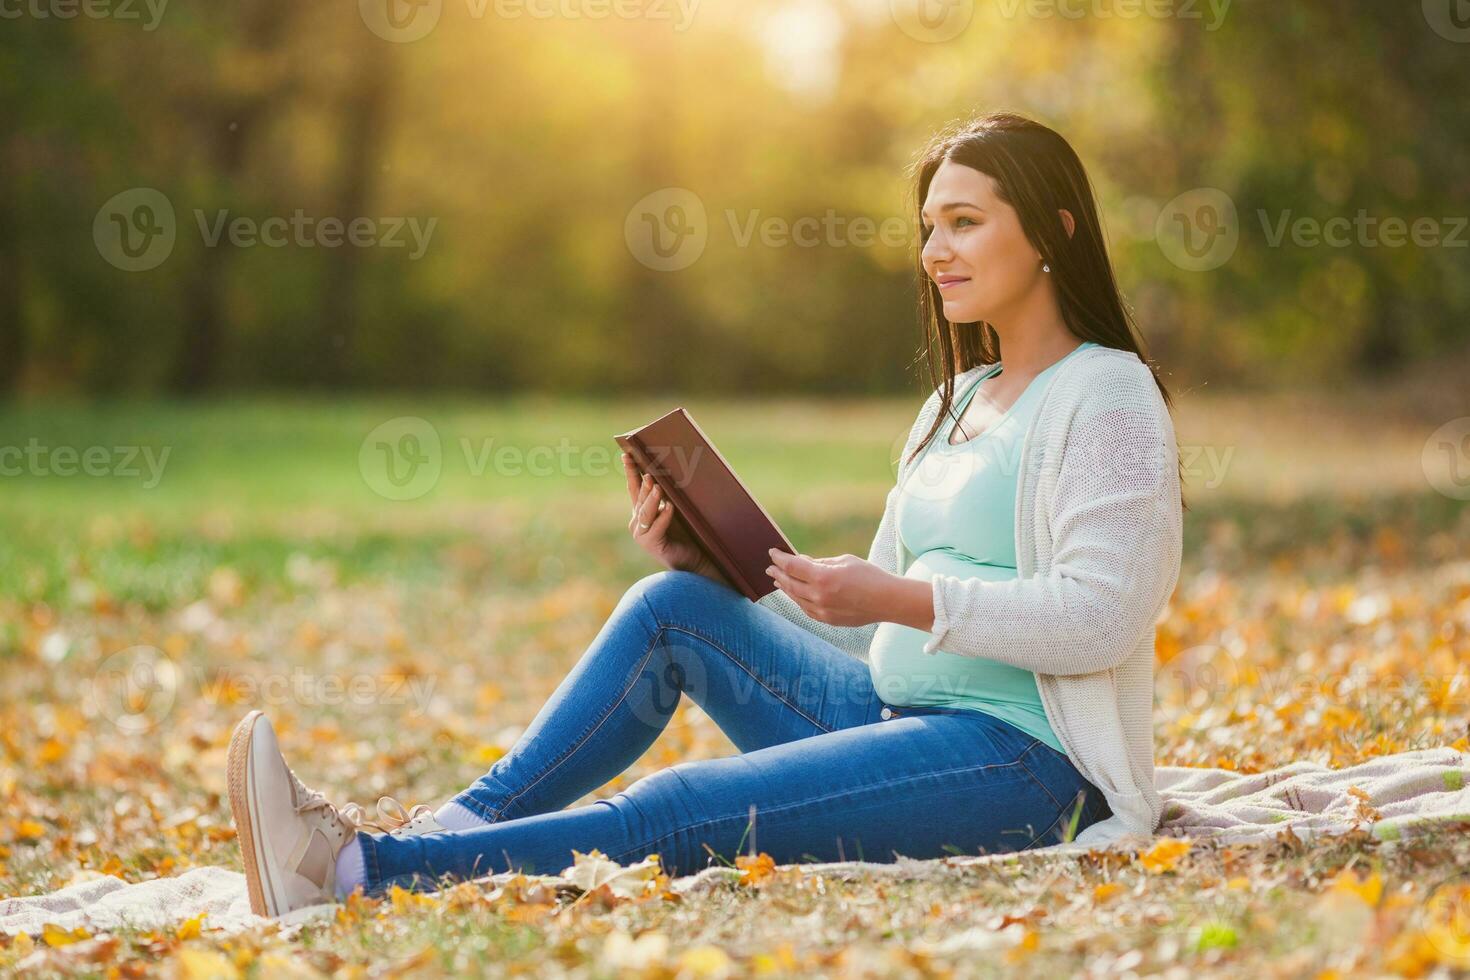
(1037, 172)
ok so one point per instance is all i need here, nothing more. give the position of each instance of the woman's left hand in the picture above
(840, 591)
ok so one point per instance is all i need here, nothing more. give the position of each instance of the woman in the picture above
(983, 682)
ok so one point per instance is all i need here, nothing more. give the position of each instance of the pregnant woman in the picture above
(982, 682)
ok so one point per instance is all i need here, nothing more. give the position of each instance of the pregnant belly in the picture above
(903, 674)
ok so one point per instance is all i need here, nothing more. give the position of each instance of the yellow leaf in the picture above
(1164, 855)
(705, 961)
(275, 964)
(405, 900)
(55, 935)
(1368, 891)
(1106, 891)
(487, 754)
(205, 964)
(783, 960)
(190, 928)
(30, 829)
(23, 945)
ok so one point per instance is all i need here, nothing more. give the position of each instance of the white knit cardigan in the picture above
(1098, 532)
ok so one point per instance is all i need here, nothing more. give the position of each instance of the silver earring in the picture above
(1045, 267)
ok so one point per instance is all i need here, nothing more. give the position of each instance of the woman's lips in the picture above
(951, 284)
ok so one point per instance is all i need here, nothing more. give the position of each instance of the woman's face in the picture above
(974, 248)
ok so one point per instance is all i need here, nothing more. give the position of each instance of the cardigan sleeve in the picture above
(1115, 522)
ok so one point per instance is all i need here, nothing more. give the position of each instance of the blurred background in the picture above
(317, 321)
(504, 158)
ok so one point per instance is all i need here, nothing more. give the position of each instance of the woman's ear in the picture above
(1068, 222)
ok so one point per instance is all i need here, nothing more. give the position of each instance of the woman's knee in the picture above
(673, 592)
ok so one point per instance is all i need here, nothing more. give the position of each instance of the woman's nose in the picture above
(935, 248)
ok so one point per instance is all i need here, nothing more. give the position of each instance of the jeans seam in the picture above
(821, 799)
(582, 740)
(1049, 828)
(753, 676)
(371, 872)
(1021, 759)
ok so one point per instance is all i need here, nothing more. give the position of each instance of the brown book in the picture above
(720, 514)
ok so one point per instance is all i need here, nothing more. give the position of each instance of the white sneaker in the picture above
(289, 835)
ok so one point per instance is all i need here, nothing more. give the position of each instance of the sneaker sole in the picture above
(237, 768)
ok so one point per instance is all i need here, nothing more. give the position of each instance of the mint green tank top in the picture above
(956, 515)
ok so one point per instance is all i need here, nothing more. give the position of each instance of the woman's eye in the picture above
(971, 220)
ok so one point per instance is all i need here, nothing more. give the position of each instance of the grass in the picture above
(1315, 549)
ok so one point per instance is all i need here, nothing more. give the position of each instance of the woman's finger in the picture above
(795, 589)
(795, 567)
(648, 509)
(660, 522)
(645, 485)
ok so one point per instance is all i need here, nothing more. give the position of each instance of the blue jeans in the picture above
(833, 773)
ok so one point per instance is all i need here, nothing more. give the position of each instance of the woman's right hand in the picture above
(652, 525)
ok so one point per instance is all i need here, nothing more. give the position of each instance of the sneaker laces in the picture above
(391, 814)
